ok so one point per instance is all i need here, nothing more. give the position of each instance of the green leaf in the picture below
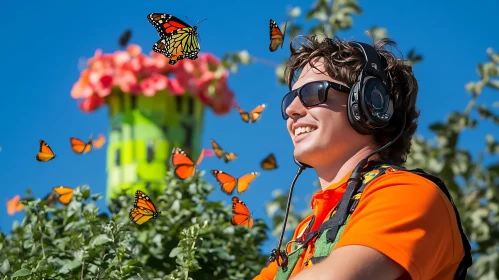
(493, 84)
(100, 239)
(21, 272)
(69, 266)
(174, 252)
(5, 267)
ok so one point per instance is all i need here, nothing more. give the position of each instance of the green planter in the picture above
(143, 132)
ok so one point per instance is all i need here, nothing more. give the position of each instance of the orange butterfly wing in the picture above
(184, 166)
(80, 147)
(143, 209)
(65, 194)
(242, 215)
(14, 205)
(99, 142)
(255, 113)
(244, 115)
(252, 116)
(229, 157)
(244, 181)
(226, 181)
(269, 162)
(276, 36)
(45, 153)
(218, 150)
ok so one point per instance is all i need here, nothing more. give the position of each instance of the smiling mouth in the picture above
(304, 129)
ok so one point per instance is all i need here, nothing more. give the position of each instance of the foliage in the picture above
(191, 239)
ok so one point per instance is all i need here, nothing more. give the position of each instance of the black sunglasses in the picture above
(311, 94)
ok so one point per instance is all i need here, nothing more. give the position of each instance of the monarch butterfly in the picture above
(178, 39)
(184, 166)
(143, 209)
(221, 153)
(242, 215)
(229, 183)
(276, 36)
(65, 194)
(45, 153)
(125, 38)
(269, 162)
(252, 116)
(99, 142)
(80, 147)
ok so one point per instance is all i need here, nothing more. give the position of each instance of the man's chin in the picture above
(302, 156)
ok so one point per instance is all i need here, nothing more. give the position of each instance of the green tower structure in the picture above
(143, 132)
(153, 107)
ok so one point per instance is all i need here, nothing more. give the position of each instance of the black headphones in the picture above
(369, 104)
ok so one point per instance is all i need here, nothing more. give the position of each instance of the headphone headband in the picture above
(373, 64)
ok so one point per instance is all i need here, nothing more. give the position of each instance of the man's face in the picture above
(321, 134)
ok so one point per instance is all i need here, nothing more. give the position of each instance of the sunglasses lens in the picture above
(286, 101)
(313, 93)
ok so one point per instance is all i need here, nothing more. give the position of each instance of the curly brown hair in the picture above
(343, 62)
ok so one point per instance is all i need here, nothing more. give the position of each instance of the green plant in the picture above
(191, 239)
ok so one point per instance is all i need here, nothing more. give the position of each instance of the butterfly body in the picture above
(276, 36)
(143, 209)
(253, 115)
(178, 40)
(45, 153)
(229, 183)
(242, 215)
(220, 153)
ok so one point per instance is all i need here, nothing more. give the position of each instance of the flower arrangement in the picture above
(133, 72)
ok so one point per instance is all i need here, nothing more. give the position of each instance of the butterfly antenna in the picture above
(201, 21)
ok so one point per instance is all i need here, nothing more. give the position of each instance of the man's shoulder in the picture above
(406, 180)
(406, 191)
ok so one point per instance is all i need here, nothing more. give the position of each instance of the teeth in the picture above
(303, 129)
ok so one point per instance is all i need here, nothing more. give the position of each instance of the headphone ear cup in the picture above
(354, 110)
(376, 104)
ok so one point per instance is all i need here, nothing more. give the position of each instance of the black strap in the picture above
(467, 260)
(346, 205)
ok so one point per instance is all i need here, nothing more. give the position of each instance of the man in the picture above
(403, 226)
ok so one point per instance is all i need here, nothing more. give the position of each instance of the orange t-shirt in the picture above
(400, 214)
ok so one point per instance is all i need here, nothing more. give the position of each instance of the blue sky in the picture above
(43, 41)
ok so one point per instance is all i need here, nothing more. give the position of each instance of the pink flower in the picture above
(134, 50)
(82, 89)
(175, 86)
(103, 87)
(91, 103)
(125, 80)
(133, 72)
(210, 59)
(160, 81)
(147, 86)
(120, 58)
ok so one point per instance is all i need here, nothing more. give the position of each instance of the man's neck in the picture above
(335, 171)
